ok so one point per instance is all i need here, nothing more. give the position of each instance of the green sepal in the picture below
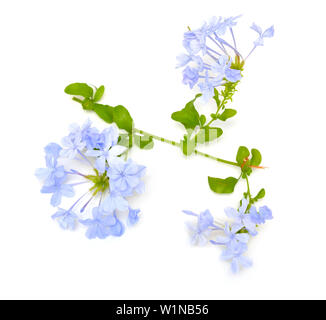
(222, 185)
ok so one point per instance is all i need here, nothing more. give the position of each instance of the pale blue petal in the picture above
(256, 28)
(245, 262)
(268, 33)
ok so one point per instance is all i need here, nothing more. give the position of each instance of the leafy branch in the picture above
(192, 121)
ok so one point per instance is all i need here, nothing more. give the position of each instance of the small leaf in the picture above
(208, 134)
(222, 185)
(242, 154)
(99, 94)
(144, 142)
(202, 120)
(260, 195)
(80, 89)
(122, 118)
(216, 97)
(188, 145)
(188, 116)
(255, 157)
(104, 112)
(228, 113)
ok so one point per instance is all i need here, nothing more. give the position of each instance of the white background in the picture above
(130, 47)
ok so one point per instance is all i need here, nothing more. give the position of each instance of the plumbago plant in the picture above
(215, 66)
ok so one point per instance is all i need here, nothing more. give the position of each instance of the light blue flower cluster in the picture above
(235, 234)
(113, 179)
(208, 61)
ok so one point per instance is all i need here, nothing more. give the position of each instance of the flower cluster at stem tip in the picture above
(235, 235)
(209, 61)
(112, 180)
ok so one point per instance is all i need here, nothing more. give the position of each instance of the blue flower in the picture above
(231, 237)
(241, 218)
(182, 60)
(207, 87)
(125, 177)
(231, 21)
(208, 51)
(223, 67)
(260, 217)
(53, 150)
(190, 76)
(133, 216)
(268, 33)
(204, 227)
(109, 151)
(102, 225)
(193, 41)
(52, 171)
(73, 144)
(114, 201)
(122, 180)
(66, 219)
(59, 189)
(90, 135)
(235, 254)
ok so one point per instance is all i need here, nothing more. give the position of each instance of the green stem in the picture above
(216, 113)
(248, 190)
(77, 100)
(173, 143)
(177, 144)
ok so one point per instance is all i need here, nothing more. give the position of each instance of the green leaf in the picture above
(216, 97)
(228, 113)
(202, 120)
(99, 94)
(222, 185)
(104, 112)
(208, 134)
(188, 116)
(260, 195)
(255, 157)
(144, 142)
(122, 118)
(188, 145)
(79, 89)
(242, 154)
